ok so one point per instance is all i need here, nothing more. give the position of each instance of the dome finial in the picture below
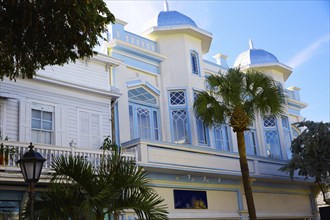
(251, 44)
(166, 6)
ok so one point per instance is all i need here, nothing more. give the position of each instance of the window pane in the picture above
(201, 130)
(143, 116)
(146, 122)
(141, 95)
(269, 121)
(180, 126)
(272, 144)
(36, 123)
(155, 118)
(287, 142)
(250, 142)
(35, 136)
(221, 137)
(47, 116)
(194, 63)
(47, 125)
(177, 98)
(130, 109)
(46, 137)
(36, 114)
(285, 122)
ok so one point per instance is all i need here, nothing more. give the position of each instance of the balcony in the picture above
(165, 157)
(10, 171)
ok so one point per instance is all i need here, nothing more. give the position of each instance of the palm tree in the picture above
(80, 191)
(239, 96)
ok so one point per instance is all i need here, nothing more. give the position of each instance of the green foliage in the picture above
(248, 93)
(239, 96)
(311, 154)
(6, 152)
(38, 33)
(81, 191)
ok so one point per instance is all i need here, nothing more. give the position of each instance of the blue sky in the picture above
(296, 32)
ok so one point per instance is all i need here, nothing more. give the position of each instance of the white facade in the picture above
(148, 83)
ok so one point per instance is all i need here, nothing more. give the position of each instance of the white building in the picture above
(141, 94)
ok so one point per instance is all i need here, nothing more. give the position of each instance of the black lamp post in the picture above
(31, 165)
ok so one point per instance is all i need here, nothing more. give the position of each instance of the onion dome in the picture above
(254, 57)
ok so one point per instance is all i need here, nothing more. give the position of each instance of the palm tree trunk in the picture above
(245, 175)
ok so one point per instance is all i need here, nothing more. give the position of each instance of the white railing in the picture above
(50, 152)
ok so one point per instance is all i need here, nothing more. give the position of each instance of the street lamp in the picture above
(31, 165)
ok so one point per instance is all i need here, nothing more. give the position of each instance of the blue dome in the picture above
(255, 56)
(172, 18)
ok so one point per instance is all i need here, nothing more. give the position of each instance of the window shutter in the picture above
(95, 131)
(84, 129)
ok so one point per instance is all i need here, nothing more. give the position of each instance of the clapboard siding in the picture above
(67, 103)
(84, 73)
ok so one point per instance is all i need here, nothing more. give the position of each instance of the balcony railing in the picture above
(50, 152)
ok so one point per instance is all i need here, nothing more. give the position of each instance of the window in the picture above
(89, 129)
(179, 117)
(190, 199)
(221, 137)
(202, 130)
(194, 63)
(273, 148)
(286, 135)
(251, 140)
(42, 124)
(143, 114)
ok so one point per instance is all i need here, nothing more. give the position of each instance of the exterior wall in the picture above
(225, 198)
(169, 164)
(67, 99)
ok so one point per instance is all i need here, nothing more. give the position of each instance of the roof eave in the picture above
(286, 70)
(204, 36)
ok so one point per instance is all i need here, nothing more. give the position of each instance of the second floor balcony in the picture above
(10, 170)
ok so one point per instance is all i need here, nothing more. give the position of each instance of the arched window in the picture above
(143, 114)
(194, 62)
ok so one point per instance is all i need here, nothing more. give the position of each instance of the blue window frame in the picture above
(202, 130)
(143, 114)
(273, 148)
(194, 62)
(251, 143)
(221, 137)
(179, 117)
(286, 135)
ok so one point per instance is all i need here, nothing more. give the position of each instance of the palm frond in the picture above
(248, 93)
(210, 109)
(264, 95)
